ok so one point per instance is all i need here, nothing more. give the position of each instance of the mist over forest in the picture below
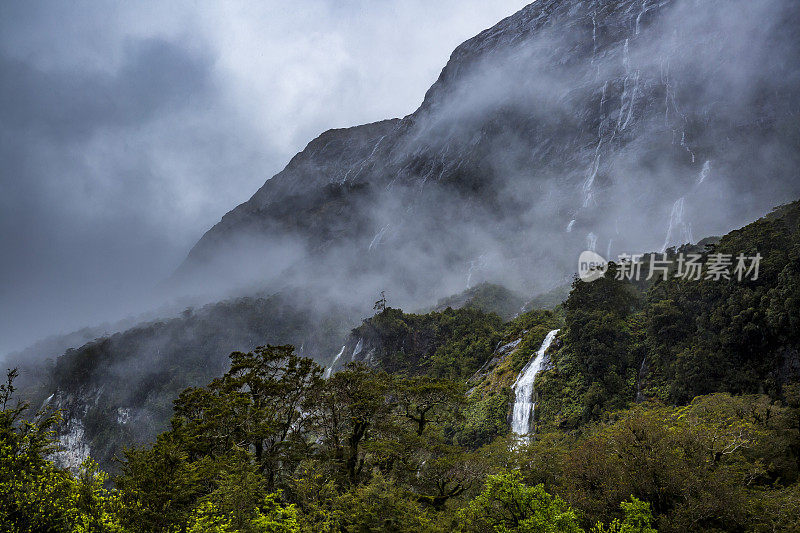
(390, 333)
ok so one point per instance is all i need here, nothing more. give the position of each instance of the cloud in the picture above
(129, 129)
(70, 106)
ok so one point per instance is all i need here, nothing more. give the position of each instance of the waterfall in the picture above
(704, 172)
(685, 145)
(328, 370)
(591, 241)
(523, 388)
(678, 228)
(357, 349)
(475, 266)
(378, 238)
(639, 18)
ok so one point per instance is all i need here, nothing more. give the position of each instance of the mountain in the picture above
(615, 126)
(619, 341)
(668, 401)
(118, 389)
(488, 298)
(561, 128)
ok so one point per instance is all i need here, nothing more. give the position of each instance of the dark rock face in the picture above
(616, 125)
(311, 178)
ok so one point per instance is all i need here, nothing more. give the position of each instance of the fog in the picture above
(620, 126)
(128, 130)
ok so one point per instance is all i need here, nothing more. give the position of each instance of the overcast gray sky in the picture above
(127, 129)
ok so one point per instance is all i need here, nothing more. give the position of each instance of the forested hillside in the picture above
(117, 390)
(667, 404)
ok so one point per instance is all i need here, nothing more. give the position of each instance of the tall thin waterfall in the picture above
(678, 229)
(328, 370)
(523, 388)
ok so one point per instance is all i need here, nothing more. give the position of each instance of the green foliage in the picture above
(159, 486)
(485, 419)
(207, 519)
(595, 371)
(730, 335)
(637, 519)
(144, 368)
(488, 405)
(382, 506)
(271, 423)
(272, 517)
(452, 343)
(231, 443)
(675, 339)
(698, 466)
(35, 495)
(268, 517)
(508, 505)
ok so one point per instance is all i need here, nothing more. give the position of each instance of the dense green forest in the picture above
(665, 405)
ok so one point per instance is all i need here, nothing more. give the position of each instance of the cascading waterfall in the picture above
(475, 266)
(357, 349)
(377, 240)
(678, 229)
(328, 370)
(523, 388)
(704, 172)
(591, 242)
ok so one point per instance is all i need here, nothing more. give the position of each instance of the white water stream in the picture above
(523, 388)
(328, 370)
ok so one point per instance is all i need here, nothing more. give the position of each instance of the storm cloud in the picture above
(127, 130)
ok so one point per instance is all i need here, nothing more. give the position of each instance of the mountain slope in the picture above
(611, 125)
(559, 129)
(619, 341)
(117, 390)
